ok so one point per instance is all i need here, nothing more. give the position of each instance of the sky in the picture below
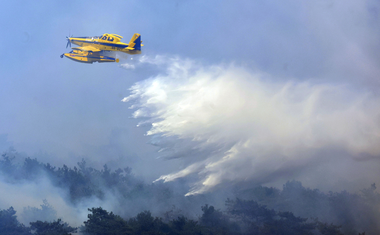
(227, 91)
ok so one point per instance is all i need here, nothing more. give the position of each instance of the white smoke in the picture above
(128, 66)
(33, 194)
(231, 124)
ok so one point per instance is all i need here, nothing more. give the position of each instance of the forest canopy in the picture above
(158, 208)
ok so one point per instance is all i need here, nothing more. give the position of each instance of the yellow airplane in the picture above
(91, 49)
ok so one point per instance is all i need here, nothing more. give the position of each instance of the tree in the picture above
(258, 219)
(6, 163)
(46, 213)
(328, 229)
(145, 223)
(182, 225)
(9, 224)
(214, 220)
(100, 222)
(31, 169)
(51, 228)
(288, 224)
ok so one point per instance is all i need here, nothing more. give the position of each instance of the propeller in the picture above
(68, 42)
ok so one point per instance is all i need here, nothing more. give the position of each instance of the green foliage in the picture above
(183, 225)
(355, 212)
(211, 217)
(258, 219)
(51, 228)
(31, 169)
(6, 163)
(46, 213)
(82, 182)
(145, 223)
(9, 224)
(101, 222)
(328, 229)
(215, 222)
(288, 224)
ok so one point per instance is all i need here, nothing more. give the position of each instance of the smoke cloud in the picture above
(33, 194)
(230, 124)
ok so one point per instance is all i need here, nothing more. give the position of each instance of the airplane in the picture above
(92, 49)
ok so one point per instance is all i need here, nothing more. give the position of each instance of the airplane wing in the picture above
(87, 48)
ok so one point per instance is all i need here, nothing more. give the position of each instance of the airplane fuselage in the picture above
(103, 45)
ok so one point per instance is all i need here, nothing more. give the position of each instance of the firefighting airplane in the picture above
(91, 49)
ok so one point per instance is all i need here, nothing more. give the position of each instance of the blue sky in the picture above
(65, 111)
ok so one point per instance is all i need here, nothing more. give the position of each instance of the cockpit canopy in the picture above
(105, 37)
(111, 37)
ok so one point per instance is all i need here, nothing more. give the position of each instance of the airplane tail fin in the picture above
(135, 42)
